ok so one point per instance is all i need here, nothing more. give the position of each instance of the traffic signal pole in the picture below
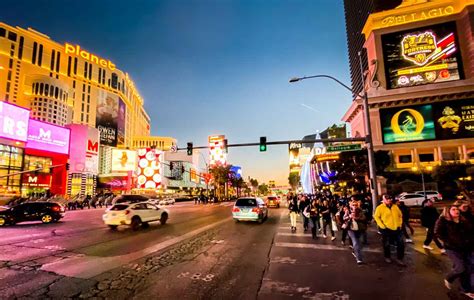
(287, 142)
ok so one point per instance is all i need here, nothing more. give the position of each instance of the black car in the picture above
(45, 212)
(129, 199)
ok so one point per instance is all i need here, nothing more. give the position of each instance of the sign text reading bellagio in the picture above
(76, 50)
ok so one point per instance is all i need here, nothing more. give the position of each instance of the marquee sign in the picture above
(48, 137)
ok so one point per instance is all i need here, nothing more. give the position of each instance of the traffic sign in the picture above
(342, 148)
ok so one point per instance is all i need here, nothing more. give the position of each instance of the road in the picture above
(203, 254)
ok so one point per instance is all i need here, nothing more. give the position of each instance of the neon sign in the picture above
(13, 122)
(76, 50)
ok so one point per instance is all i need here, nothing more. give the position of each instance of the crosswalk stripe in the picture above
(321, 247)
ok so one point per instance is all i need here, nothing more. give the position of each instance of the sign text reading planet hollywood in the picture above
(76, 50)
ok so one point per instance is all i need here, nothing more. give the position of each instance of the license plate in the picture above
(113, 214)
(245, 210)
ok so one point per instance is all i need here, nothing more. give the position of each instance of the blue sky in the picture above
(215, 67)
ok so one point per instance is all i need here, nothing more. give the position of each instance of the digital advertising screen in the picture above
(422, 56)
(454, 119)
(107, 118)
(407, 124)
(124, 160)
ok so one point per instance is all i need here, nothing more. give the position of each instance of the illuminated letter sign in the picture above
(44, 134)
(32, 179)
(76, 50)
(419, 48)
(13, 122)
(92, 146)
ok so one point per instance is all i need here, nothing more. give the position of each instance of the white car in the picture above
(412, 199)
(432, 195)
(167, 201)
(134, 215)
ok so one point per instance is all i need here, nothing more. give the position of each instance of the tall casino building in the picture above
(420, 83)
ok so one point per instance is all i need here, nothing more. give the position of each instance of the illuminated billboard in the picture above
(148, 173)
(13, 122)
(124, 160)
(107, 118)
(442, 121)
(454, 119)
(48, 137)
(422, 56)
(407, 124)
(216, 150)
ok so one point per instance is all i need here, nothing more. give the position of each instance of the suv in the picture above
(432, 195)
(134, 214)
(129, 199)
(46, 212)
(250, 209)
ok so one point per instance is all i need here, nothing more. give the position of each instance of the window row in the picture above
(44, 89)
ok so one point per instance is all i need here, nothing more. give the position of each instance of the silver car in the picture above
(250, 209)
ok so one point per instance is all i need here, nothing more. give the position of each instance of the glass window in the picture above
(3, 32)
(56, 92)
(35, 50)
(69, 59)
(40, 55)
(20, 49)
(404, 159)
(46, 89)
(75, 65)
(41, 89)
(53, 55)
(426, 157)
(12, 36)
(58, 61)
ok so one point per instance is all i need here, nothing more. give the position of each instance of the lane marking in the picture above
(86, 267)
(321, 247)
(295, 234)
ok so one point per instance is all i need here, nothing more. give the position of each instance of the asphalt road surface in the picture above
(203, 254)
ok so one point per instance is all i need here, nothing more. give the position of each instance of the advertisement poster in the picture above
(92, 151)
(107, 118)
(422, 56)
(13, 122)
(48, 137)
(407, 124)
(148, 173)
(122, 113)
(454, 119)
(124, 160)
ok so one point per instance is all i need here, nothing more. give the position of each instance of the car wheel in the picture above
(260, 219)
(3, 221)
(113, 227)
(136, 222)
(145, 225)
(434, 199)
(47, 219)
(164, 218)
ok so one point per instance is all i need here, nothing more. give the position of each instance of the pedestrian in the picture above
(327, 221)
(406, 221)
(293, 208)
(389, 219)
(465, 209)
(340, 219)
(457, 234)
(302, 206)
(429, 216)
(313, 211)
(355, 222)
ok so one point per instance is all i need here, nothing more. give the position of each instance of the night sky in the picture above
(215, 67)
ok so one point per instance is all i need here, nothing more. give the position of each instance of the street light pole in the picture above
(368, 137)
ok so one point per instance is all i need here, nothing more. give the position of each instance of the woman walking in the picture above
(457, 235)
(293, 208)
(313, 211)
(326, 215)
(355, 222)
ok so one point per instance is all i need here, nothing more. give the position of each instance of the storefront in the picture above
(13, 135)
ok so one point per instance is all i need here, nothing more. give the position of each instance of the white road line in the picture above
(89, 266)
(294, 234)
(321, 247)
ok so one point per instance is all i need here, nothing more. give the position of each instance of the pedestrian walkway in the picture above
(301, 267)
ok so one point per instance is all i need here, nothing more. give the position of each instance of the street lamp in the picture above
(368, 130)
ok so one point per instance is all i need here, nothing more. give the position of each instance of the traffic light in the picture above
(225, 146)
(67, 166)
(190, 148)
(263, 143)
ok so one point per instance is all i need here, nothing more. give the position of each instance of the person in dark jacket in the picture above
(457, 234)
(466, 210)
(303, 203)
(406, 221)
(293, 208)
(429, 216)
(313, 211)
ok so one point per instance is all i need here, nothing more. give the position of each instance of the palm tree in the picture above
(254, 184)
(294, 180)
(221, 176)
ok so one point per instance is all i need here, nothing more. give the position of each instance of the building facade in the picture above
(421, 84)
(64, 83)
(159, 142)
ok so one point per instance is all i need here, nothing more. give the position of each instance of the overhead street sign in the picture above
(342, 148)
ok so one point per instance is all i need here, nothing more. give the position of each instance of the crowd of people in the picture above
(452, 231)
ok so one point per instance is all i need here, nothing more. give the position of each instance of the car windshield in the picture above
(272, 198)
(246, 202)
(119, 207)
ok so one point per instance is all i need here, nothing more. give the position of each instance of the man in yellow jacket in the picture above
(389, 219)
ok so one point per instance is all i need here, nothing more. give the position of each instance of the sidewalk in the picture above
(300, 267)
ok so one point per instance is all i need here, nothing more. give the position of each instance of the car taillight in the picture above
(439, 196)
(127, 212)
(56, 208)
(256, 209)
(235, 209)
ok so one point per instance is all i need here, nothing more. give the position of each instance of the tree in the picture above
(254, 184)
(263, 189)
(294, 180)
(221, 175)
(449, 175)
